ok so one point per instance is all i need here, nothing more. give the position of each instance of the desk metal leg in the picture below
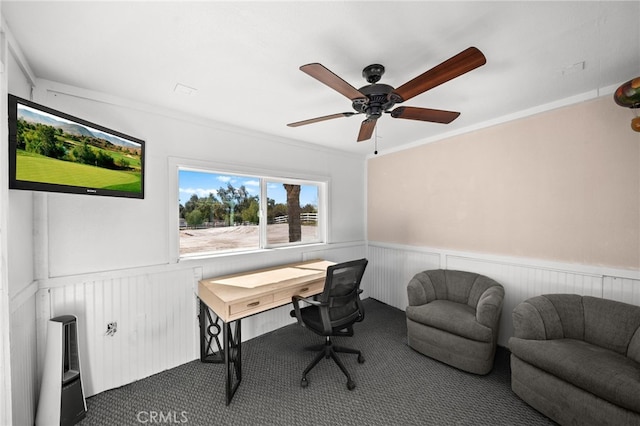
(232, 358)
(229, 352)
(209, 333)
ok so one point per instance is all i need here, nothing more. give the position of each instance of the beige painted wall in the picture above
(563, 185)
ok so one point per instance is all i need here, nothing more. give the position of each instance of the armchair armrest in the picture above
(416, 293)
(489, 306)
(528, 323)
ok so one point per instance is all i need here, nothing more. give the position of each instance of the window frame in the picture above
(264, 183)
(264, 176)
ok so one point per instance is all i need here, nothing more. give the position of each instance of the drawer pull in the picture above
(304, 289)
(252, 304)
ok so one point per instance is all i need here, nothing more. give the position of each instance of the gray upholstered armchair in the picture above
(453, 316)
(576, 359)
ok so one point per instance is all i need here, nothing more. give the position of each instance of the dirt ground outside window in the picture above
(237, 237)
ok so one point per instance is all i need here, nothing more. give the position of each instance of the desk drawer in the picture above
(251, 304)
(305, 290)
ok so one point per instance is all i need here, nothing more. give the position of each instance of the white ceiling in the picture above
(243, 58)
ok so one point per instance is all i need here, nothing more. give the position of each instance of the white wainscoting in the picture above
(156, 321)
(394, 265)
(156, 307)
(391, 270)
(622, 289)
(156, 312)
(24, 378)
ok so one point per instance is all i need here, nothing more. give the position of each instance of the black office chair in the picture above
(333, 313)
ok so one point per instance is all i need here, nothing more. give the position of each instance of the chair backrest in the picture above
(341, 294)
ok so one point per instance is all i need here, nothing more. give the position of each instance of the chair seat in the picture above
(313, 321)
(456, 318)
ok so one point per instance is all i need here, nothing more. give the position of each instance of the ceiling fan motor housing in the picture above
(377, 102)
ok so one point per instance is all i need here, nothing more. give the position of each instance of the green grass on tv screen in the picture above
(38, 168)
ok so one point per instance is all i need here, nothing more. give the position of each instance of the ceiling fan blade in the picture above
(425, 114)
(318, 119)
(366, 129)
(453, 67)
(324, 75)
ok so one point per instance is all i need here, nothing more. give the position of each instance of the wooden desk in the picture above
(233, 297)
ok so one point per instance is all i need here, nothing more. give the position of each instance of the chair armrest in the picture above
(295, 299)
(489, 306)
(360, 307)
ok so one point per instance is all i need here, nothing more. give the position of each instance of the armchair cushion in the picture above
(603, 372)
(452, 317)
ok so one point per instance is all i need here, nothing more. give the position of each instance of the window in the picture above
(224, 212)
(292, 212)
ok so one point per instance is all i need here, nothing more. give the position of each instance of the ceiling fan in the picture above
(375, 99)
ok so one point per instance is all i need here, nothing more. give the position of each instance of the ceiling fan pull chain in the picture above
(376, 143)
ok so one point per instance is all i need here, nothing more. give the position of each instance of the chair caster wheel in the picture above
(304, 382)
(351, 385)
(360, 359)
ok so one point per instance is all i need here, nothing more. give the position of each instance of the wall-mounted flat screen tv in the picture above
(56, 152)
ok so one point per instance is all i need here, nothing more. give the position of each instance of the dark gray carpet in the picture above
(394, 386)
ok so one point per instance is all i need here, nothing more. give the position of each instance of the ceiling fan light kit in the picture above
(376, 99)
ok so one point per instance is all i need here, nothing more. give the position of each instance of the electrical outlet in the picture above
(112, 327)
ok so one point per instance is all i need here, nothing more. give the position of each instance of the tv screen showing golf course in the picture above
(56, 152)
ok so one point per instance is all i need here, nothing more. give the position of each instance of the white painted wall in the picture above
(17, 251)
(5, 358)
(87, 234)
(20, 204)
